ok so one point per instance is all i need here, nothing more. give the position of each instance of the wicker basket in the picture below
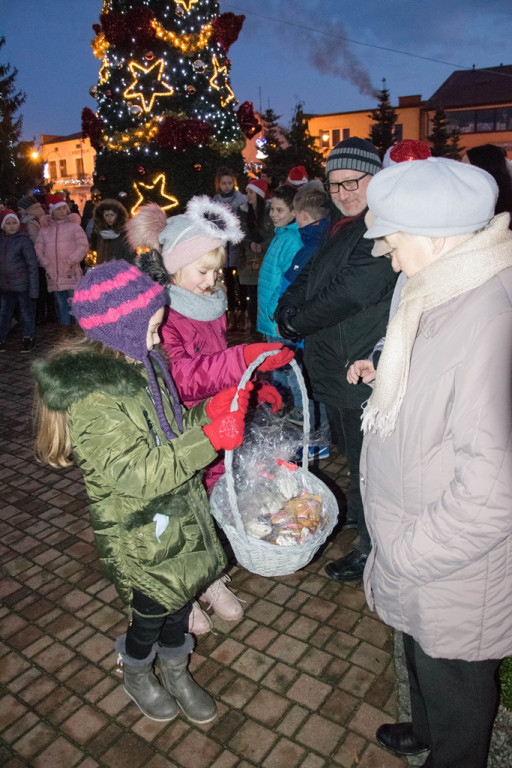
(256, 555)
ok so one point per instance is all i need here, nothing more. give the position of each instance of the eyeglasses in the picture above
(350, 185)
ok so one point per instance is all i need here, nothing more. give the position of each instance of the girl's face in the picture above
(251, 196)
(226, 184)
(196, 278)
(60, 213)
(280, 214)
(10, 226)
(110, 217)
(154, 324)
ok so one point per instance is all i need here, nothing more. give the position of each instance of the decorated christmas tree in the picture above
(167, 116)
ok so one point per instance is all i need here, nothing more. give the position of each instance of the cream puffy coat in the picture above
(438, 491)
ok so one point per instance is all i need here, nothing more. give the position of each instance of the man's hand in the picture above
(284, 319)
(361, 369)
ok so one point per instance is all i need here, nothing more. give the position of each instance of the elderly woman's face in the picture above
(409, 253)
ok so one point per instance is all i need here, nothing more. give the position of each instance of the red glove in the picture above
(220, 404)
(266, 393)
(252, 351)
(226, 431)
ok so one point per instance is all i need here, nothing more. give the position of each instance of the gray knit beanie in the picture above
(355, 154)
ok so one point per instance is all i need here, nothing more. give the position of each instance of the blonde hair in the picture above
(214, 259)
(53, 439)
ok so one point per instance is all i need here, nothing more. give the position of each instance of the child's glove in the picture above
(266, 393)
(226, 431)
(220, 404)
(252, 351)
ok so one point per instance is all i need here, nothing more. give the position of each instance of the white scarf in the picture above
(464, 268)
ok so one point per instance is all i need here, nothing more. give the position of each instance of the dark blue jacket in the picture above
(18, 264)
(311, 236)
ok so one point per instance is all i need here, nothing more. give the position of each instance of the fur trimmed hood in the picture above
(110, 205)
(72, 376)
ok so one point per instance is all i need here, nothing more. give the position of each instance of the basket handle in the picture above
(228, 456)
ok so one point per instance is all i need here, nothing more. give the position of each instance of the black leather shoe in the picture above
(399, 739)
(348, 568)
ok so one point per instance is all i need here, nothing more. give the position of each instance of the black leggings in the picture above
(155, 625)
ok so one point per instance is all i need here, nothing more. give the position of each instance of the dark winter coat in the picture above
(250, 262)
(18, 264)
(132, 472)
(342, 297)
(109, 249)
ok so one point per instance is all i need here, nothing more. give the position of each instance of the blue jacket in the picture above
(280, 253)
(311, 235)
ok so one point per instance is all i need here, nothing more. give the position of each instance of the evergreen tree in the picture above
(445, 143)
(302, 146)
(166, 114)
(10, 126)
(300, 149)
(385, 117)
(272, 134)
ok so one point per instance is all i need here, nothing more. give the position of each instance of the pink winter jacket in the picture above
(438, 491)
(201, 364)
(60, 247)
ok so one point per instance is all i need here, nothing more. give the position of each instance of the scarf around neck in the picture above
(464, 268)
(209, 306)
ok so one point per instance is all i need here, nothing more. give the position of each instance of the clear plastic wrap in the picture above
(273, 500)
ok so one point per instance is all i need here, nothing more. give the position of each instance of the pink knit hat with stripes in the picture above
(113, 304)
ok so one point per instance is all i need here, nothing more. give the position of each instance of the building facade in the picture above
(68, 165)
(477, 102)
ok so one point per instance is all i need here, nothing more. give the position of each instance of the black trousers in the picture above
(151, 623)
(345, 424)
(453, 706)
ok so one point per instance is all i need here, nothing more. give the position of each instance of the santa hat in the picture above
(297, 176)
(408, 149)
(55, 200)
(7, 213)
(260, 187)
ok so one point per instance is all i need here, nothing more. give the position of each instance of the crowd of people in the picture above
(391, 285)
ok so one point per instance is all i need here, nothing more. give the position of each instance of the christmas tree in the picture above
(382, 133)
(166, 116)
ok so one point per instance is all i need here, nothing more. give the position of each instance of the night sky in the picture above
(331, 55)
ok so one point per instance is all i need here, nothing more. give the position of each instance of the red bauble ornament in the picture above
(226, 29)
(141, 170)
(91, 127)
(108, 93)
(182, 134)
(134, 25)
(247, 120)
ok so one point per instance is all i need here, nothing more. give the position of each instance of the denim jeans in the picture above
(8, 302)
(63, 301)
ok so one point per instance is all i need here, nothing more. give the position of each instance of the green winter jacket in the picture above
(131, 472)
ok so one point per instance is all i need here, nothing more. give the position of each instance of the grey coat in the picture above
(438, 491)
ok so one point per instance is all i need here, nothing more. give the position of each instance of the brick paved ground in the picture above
(302, 681)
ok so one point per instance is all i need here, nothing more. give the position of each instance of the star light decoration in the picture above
(219, 81)
(154, 193)
(142, 86)
(186, 4)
